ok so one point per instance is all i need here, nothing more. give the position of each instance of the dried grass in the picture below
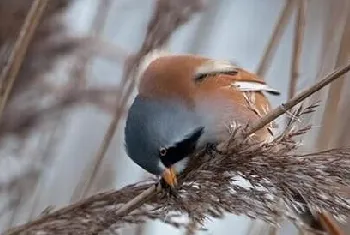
(297, 47)
(210, 186)
(275, 171)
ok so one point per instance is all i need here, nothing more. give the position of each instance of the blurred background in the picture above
(55, 112)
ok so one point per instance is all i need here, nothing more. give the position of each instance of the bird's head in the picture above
(160, 135)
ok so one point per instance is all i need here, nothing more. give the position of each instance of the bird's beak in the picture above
(169, 175)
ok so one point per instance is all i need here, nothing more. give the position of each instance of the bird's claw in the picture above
(167, 189)
(211, 148)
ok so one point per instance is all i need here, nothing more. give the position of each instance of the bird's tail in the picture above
(321, 221)
(317, 220)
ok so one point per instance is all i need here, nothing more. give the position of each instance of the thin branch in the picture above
(331, 32)
(192, 227)
(83, 61)
(47, 154)
(329, 224)
(275, 38)
(332, 108)
(272, 115)
(10, 71)
(336, 89)
(271, 48)
(138, 201)
(297, 47)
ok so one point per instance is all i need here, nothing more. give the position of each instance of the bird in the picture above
(186, 102)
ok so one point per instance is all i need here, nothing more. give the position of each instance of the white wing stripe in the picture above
(253, 86)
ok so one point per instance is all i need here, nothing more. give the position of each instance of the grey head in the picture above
(159, 134)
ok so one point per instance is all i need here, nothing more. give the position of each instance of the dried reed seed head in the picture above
(212, 185)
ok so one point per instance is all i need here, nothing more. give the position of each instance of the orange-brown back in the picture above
(171, 77)
(214, 96)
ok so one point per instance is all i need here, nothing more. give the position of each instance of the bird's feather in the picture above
(213, 67)
(253, 86)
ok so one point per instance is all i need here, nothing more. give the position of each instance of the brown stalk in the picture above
(144, 194)
(329, 118)
(275, 38)
(272, 115)
(329, 224)
(137, 201)
(336, 14)
(296, 56)
(82, 63)
(13, 65)
(14, 210)
(192, 227)
(297, 47)
(335, 90)
(140, 228)
(97, 27)
(266, 59)
(47, 153)
(78, 72)
(102, 151)
(11, 70)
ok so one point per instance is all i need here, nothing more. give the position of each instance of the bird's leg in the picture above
(211, 149)
(167, 189)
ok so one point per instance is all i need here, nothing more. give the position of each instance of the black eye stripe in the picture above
(182, 149)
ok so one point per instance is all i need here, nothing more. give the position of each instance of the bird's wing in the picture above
(240, 90)
(245, 86)
(239, 79)
(245, 89)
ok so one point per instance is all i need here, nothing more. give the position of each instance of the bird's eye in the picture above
(162, 151)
